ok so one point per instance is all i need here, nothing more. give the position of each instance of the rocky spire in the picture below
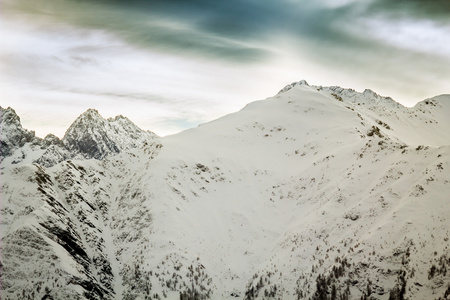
(12, 134)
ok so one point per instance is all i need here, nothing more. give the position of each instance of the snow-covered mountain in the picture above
(315, 193)
(90, 136)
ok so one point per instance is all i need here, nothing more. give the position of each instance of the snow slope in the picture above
(317, 192)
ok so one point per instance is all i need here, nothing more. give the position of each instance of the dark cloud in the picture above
(428, 9)
(189, 28)
(235, 30)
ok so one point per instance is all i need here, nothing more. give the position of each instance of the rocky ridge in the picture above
(89, 137)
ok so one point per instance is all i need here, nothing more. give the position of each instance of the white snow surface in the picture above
(315, 182)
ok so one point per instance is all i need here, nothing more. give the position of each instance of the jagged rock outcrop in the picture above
(13, 135)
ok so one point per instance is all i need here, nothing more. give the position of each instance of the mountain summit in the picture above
(315, 193)
(13, 135)
(94, 137)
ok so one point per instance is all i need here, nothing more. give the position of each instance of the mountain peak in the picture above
(95, 137)
(51, 139)
(119, 117)
(369, 92)
(13, 135)
(290, 86)
(9, 116)
(91, 111)
(90, 114)
(302, 82)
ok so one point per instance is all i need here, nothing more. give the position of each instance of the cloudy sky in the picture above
(169, 65)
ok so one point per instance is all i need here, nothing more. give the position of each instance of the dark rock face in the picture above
(88, 135)
(92, 146)
(11, 132)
